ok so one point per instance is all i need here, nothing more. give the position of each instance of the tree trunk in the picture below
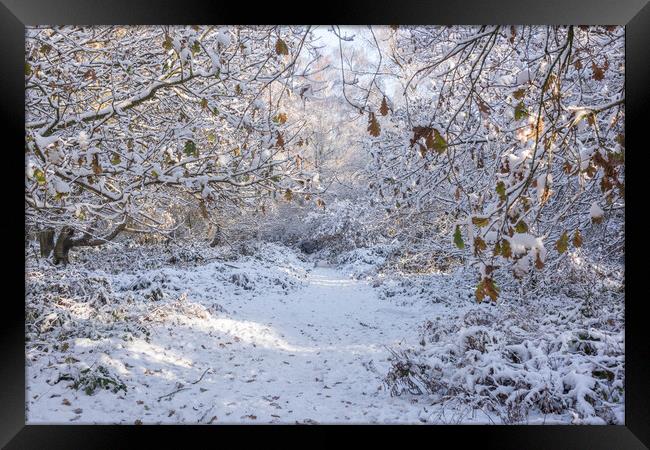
(46, 239)
(216, 240)
(65, 242)
(63, 246)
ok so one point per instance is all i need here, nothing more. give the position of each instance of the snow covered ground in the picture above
(316, 353)
(267, 338)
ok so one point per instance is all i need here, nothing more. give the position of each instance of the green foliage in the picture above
(191, 149)
(167, 43)
(501, 191)
(439, 143)
(520, 111)
(458, 238)
(521, 227)
(563, 243)
(101, 378)
(39, 176)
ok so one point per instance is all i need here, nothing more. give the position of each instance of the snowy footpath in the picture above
(313, 354)
(265, 336)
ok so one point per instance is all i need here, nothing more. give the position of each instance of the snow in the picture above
(43, 142)
(61, 186)
(524, 76)
(318, 281)
(276, 337)
(596, 212)
(521, 243)
(313, 354)
(223, 38)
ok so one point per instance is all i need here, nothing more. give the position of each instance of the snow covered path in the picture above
(319, 354)
(314, 353)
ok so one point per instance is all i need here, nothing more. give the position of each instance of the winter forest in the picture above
(325, 224)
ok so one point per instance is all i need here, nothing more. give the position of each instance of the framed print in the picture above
(415, 216)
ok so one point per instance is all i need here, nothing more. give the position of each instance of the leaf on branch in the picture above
(281, 47)
(280, 141)
(501, 191)
(97, 169)
(479, 245)
(563, 243)
(288, 195)
(520, 111)
(506, 250)
(190, 148)
(521, 227)
(320, 203)
(483, 107)
(39, 176)
(28, 69)
(577, 239)
(552, 78)
(429, 140)
(519, 93)
(458, 238)
(487, 287)
(383, 109)
(439, 143)
(597, 73)
(373, 125)
(115, 159)
(90, 75)
(539, 264)
(497, 249)
(167, 43)
(480, 221)
(620, 138)
(280, 118)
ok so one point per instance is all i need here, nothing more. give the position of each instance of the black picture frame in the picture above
(16, 14)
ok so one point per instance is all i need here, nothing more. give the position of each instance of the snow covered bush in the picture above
(521, 364)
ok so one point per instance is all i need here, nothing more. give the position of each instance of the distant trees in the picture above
(125, 123)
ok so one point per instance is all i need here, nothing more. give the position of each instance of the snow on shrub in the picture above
(513, 374)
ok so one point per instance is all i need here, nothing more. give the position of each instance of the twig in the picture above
(206, 371)
(206, 413)
(171, 394)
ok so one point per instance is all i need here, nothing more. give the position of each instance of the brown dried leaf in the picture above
(281, 47)
(373, 126)
(383, 109)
